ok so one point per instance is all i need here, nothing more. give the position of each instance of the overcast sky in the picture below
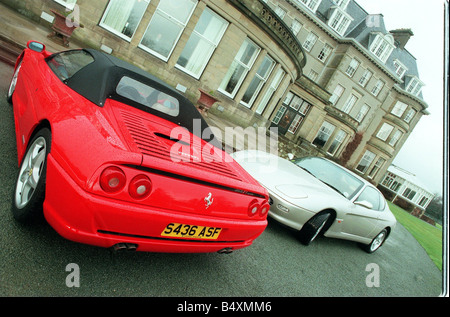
(422, 154)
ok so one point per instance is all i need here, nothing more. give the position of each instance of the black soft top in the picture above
(98, 80)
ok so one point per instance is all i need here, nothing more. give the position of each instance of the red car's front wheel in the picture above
(29, 191)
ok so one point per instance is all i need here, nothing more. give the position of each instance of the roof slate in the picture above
(363, 29)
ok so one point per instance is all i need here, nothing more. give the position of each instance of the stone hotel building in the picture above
(327, 73)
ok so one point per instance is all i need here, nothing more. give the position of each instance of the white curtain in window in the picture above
(273, 86)
(118, 13)
(240, 66)
(232, 77)
(166, 26)
(324, 133)
(206, 40)
(258, 81)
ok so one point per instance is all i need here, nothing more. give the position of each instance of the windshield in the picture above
(148, 96)
(332, 175)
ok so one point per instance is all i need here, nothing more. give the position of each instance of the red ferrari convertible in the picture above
(114, 157)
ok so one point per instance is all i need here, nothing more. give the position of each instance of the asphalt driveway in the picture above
(35, 261)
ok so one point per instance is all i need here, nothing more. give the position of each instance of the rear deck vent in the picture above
(149, 143)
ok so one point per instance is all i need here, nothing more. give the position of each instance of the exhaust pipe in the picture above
(124, 247)
(131, 247)
(225, 251)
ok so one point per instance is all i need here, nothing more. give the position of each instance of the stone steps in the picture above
(9, 50)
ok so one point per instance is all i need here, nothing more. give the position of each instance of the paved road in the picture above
(33, 259)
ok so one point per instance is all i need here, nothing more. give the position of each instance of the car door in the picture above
(362, 217)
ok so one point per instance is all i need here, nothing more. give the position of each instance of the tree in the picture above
(435, 209)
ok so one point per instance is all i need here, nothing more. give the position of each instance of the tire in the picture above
(376, 243)
(12, 85)
(29, 191)
(313, 228)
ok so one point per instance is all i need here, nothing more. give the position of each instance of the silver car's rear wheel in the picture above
(313, 228)
(377, 242)
(28, 195)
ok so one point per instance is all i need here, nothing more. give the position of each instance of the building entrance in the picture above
(291, 114)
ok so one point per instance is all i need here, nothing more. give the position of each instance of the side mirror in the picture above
(290, 156)
(364, 203)
(36, 46)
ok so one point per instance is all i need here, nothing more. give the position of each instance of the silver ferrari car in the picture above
(317, 196)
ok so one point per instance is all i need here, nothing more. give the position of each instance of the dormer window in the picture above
(414, 86)
(382, 46)
(342, 3)
(339, 20)
(311, 4)
(400, 69)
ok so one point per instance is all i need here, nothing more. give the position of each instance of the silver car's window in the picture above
(148, 96)
(372, 196)
(332, 175)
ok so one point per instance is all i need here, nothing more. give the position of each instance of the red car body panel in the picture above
(87, 138)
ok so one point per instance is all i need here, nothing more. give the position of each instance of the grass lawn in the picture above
(427, 235)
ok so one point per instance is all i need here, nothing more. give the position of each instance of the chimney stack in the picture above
(401, 37)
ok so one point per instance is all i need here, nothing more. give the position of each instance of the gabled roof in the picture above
(407, 176)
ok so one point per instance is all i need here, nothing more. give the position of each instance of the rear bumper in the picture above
(83, 217)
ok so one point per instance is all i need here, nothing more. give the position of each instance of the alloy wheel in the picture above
(30, 172)
(377, 241)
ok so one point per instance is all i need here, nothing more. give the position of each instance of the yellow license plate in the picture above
(180, 230)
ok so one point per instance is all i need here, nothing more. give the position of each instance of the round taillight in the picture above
(140, 187)
(112, 180)
(253, 208)
(264, 209)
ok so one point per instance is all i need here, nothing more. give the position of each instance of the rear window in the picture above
(148, 96)
(67, 64)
